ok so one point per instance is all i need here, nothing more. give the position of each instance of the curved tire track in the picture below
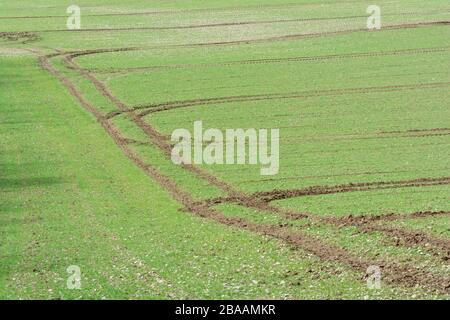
(153, 108)
(409, 276)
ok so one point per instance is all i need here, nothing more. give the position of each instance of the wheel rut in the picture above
(394, 273)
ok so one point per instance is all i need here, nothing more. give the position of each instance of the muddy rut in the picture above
(394, 273)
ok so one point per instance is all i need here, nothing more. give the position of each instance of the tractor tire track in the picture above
(241, 198)
(366, 223)
(115, 135)
(159, 140)
(334, 175)
(276, 60)
(153, 108)
(400, 236)
(388, 217)
(409, 276)
(274, 195)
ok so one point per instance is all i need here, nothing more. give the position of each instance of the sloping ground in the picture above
(364, 153)
(69, 196)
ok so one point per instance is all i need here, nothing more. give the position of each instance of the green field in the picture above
(86, 177)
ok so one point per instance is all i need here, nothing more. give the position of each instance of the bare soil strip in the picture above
(393, 273)
(419, 133)
(352, 219)
(400, 236)
(366, 223)
(418, 130)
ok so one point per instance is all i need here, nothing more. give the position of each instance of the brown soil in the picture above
(262, 205)
(273, 195)
(400, 236)
(362, 219)
(159, 140)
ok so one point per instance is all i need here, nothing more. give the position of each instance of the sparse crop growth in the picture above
(92, 205)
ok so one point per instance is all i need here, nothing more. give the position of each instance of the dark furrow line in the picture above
(364, 224)
(400, 236)
(387, 217)
(274, 195)
(136, 142)
(23, 37)
(305, 242)
(294, 140)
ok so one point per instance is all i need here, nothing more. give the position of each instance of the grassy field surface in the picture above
(86, 177)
